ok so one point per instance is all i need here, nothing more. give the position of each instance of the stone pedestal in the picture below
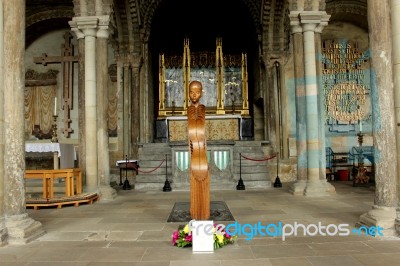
(107, 192)
(318, 188)
(22, 229)
(298, 187)
(384, 217)
(3, 232)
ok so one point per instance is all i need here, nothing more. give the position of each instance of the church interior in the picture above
(302, 118)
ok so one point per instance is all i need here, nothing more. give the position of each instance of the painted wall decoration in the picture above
(346, 85)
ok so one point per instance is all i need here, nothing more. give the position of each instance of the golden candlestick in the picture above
(54, 130)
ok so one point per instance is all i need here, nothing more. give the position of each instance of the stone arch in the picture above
(275, 29)
(45, 20)
(354, 12)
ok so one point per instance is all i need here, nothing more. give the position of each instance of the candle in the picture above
(360, 125)
(55, 106)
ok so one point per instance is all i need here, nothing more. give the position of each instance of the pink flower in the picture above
(175, 236)
(227, 235)
(188, 238)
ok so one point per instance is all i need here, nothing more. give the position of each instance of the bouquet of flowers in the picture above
(183, 238)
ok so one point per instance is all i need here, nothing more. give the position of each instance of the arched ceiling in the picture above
(351, 11)
(43, 16)
(134, 20)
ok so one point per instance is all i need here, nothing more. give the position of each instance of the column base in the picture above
(22, 229)
(397, 226)
(3, 233)
(318, 188)
(298, 188)
(107, 193)
(384, 217)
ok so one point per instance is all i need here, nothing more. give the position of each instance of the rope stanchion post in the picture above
(167, 185)
(240, 185)
(277, 182)
(126, 185)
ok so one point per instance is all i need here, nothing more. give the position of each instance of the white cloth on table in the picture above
(43, 147)
(124, 161)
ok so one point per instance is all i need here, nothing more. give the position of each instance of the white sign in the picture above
(203, 236)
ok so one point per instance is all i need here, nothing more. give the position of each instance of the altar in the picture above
(64, 155)
(217, 127)
(224, 79)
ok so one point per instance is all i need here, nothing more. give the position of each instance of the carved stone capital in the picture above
(84, 25)
(313, 20)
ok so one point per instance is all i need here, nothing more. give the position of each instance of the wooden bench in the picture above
(48, 177)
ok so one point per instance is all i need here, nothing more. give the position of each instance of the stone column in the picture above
(81, 103)
(135, 107)
(301, 146)
(3, 230)
(106, 192)
(394, 9)
(309, 21)
(126, 111)
(120, 90)
(147, 99)
(88, 26)
(321, 109)
(20, 227)
(383, 212)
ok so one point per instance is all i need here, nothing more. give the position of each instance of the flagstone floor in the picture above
(132, 230)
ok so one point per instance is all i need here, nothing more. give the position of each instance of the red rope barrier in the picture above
(258, 160)
(147, 172)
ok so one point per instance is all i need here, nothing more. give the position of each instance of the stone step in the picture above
(252, 176)
(254, 172)
(151, 178)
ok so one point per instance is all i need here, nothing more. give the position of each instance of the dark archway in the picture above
(202, 22)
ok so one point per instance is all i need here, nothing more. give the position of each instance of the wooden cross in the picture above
(66, 60)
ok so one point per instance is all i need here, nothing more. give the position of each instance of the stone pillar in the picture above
(301, 146)
(126, 111)
(3, 230)
(88, 26)
(147, 98)
(120, 90)
(321, 110)
(309, 21)
(135, 107)
(395, 8)
(20, 227)
(271, 105)
(383, 212)
(81, 103)
(106, 192)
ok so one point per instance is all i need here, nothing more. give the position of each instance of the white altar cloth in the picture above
(65, 152)
(43, 147)
(124, 161)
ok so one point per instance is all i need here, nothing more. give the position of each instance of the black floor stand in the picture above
(240, 185)
(126, 185)
(277, 182)
(167, 185)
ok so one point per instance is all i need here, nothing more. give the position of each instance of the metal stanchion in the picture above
(240, 185)
(167, 185)
(126, 185)
(277, 182)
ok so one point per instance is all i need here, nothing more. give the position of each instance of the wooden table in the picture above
(48, 177)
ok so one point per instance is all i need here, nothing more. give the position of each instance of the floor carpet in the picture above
(219, 212)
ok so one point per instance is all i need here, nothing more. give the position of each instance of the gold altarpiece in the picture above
(224, 79)
(225, 91)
